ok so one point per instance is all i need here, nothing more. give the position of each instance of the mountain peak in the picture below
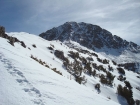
(89, 35)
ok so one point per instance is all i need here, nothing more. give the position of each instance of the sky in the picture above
(120, 17)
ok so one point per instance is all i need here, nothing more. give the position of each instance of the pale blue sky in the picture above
(120, 17)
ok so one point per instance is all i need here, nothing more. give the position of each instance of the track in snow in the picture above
(21, 79)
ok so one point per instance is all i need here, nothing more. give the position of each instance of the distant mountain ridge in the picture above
(90, 36)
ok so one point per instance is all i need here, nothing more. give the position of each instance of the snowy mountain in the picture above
(35, 71)
(95, 38)
(90, 36)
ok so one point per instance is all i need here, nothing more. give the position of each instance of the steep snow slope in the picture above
(25, 81)
(109, 91)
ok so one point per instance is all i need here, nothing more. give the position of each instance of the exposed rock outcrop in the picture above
(11, 39)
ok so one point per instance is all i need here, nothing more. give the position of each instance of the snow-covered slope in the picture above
(25, 81)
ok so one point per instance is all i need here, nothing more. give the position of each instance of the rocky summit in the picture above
(90, 36)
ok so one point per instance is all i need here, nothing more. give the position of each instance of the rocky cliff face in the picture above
(90, 36)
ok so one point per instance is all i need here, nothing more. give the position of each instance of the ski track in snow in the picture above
(28, 87)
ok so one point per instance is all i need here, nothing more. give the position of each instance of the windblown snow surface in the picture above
(23, 81)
